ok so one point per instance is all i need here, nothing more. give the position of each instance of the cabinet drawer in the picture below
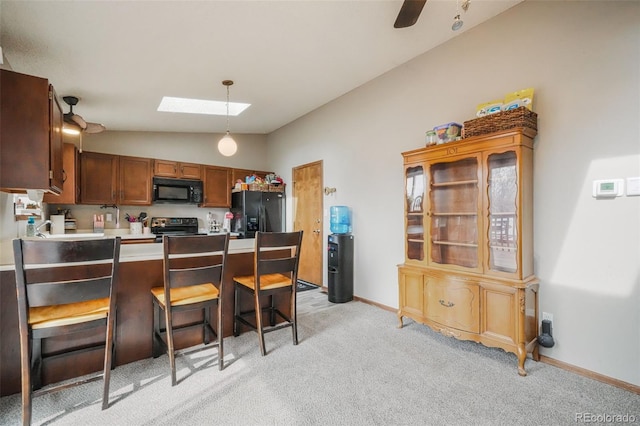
(452, 303)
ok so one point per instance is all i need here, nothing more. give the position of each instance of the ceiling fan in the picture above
(409, 13)
(411, 9)
(75, 119)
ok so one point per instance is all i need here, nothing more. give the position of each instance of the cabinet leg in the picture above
(522, 357)
(400, 324)
(536, 353)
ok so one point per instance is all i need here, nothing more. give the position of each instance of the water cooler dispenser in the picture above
(340, 256)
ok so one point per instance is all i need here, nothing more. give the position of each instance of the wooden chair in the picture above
(64, 287)
(193, 273)
(274, 272)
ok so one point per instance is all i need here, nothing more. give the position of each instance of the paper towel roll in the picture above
(57, 223)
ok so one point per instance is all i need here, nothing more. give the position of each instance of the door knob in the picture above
(316, 231)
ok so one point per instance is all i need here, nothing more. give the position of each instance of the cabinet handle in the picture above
(64, 176)
(446, 305)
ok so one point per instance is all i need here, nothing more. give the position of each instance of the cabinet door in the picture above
(98, 178)
(55, 142)
(414, 212)
(69, 181)
(454, 213)
(174, 169)
(135, 181)
(217, 186)
(411, 293)
(503, 212)
(499, 312)
(189, 171)
(30, 135)
(451, 302)
(165, 168)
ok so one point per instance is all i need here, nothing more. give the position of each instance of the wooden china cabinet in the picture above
(468, 270)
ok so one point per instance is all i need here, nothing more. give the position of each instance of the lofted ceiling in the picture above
(287, 58)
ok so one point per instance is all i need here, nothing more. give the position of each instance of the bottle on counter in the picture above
(31, 227)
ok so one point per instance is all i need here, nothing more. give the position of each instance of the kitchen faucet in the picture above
(40, 234)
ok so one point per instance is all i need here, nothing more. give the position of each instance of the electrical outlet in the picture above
(109, 217)
(547, 316)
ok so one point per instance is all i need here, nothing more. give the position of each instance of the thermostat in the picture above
(608, 188)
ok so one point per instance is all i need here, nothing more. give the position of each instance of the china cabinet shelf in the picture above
(454, 243)
(456, 183)
(468, 269)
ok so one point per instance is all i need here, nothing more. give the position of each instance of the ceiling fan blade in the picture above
(95, 128)
(409, 13)
(79, 121)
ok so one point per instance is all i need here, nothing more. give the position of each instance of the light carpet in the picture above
(353, 366)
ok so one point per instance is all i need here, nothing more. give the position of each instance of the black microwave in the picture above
(177, 191)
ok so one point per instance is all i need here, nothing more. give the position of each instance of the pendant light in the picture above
(227, 146)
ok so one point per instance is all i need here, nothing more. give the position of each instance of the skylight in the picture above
(200, 106)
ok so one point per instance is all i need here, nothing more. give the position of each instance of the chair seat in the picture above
(187, 295)
(71, 313)
(267, 282)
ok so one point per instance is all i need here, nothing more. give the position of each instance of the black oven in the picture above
(177, 191)
(173, 226)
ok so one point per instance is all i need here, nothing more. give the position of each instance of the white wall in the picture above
(583, 60)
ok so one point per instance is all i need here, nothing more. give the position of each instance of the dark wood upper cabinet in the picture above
(175, 169)
(135, 181)
(98, 178)
(217, 186)
(115, 179)
(30, 135)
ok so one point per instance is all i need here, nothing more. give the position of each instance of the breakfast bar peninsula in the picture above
(140, 270)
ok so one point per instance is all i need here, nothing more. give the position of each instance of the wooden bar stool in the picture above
(64, 287)
(193, 273)
(274, 272)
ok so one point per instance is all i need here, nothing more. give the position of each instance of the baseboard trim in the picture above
(551, 361)
(591, 374)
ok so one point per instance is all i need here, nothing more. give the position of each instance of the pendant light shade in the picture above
(227, 146)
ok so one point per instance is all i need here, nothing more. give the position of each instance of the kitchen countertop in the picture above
(128, 252)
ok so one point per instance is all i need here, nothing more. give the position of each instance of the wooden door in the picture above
(307, 216)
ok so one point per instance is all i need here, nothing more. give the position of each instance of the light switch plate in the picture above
(633, 186)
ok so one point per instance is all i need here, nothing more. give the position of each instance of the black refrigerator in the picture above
(257, 211)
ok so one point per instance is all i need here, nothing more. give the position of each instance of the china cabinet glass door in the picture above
(454, 213)
(415, 213)
(503, 210)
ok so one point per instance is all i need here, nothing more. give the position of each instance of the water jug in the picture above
(340, 220)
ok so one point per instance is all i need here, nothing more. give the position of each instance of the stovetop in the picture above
(174, 225)
(179, 222)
